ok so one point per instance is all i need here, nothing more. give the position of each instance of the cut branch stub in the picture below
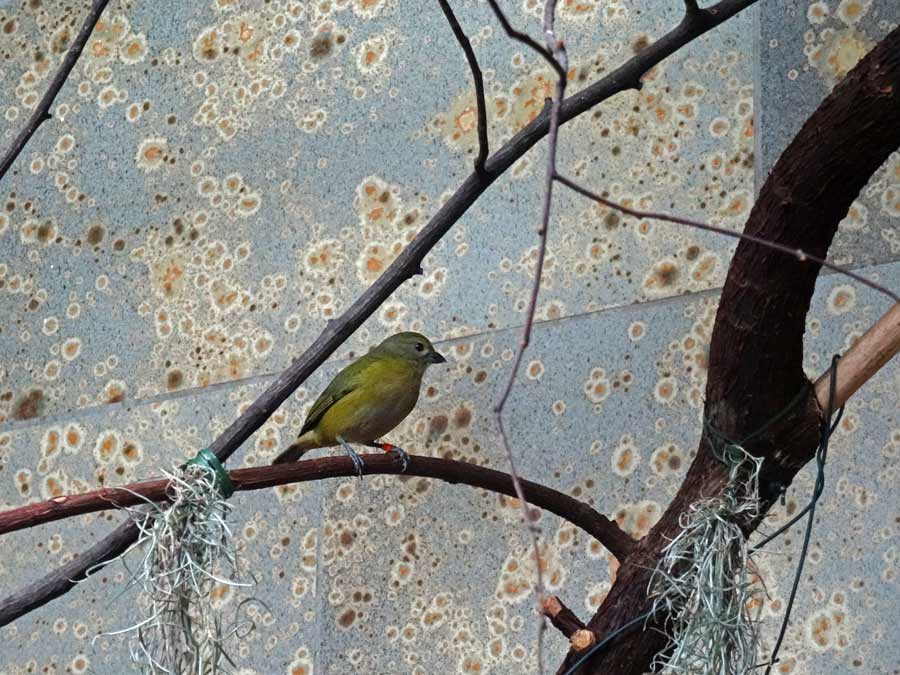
(582, 639)
(562, 618)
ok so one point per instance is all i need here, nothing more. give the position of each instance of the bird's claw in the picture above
(354, 457)
(404, 457)
(357, 463)
(397, 450)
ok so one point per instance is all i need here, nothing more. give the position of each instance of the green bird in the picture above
(367, 399)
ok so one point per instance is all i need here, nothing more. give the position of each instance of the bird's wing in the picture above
(343, 383)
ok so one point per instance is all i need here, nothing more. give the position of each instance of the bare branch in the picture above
(557, 55)
(479, 84)
(536, 285)
(404, 266)
(601, 528)
(42, 112)
(526, 39)
(549, 23)
(797, 253)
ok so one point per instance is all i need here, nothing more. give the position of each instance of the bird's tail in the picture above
(296, 449)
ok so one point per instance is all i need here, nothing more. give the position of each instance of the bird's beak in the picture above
(435, 357)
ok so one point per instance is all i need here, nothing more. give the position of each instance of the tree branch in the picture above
(601, 528)
(42, 112)
(407, 264)
(479, 84)
(873, 350)
(755, 375)
(564, 620)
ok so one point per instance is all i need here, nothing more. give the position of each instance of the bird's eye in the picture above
(419, 346)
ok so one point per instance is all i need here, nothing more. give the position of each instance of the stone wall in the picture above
(220, 179)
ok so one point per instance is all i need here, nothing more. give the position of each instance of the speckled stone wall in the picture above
(221, 178)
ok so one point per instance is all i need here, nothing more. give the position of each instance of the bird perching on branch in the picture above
(367, 399)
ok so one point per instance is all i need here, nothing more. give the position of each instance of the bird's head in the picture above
(413, 347)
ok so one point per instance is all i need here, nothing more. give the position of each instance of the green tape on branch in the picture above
(208, 459)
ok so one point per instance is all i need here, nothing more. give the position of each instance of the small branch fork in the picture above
(530, 42)
(601, 528)
(479, 84)
(42, 112)
(690, 7)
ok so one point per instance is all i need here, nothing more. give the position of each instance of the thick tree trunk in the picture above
(755, 359)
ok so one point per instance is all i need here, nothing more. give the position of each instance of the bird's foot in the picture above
(397, 450)
(354, 456)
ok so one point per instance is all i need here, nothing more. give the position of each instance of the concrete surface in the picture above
(192, 216)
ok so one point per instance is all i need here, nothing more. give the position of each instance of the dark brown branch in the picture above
(567, 623)
(690, 6)
(404, 266)
(755, 375)
(604, 530)
(42, 112)
(479, 84)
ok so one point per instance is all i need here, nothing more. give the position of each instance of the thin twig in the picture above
(690, 7)
(604, 530)
(557, 54)
(479, 84)
(526, 39)
(797, 253)
(42, 112)
(408, 263)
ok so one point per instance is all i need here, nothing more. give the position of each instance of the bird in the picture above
(367, 399)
